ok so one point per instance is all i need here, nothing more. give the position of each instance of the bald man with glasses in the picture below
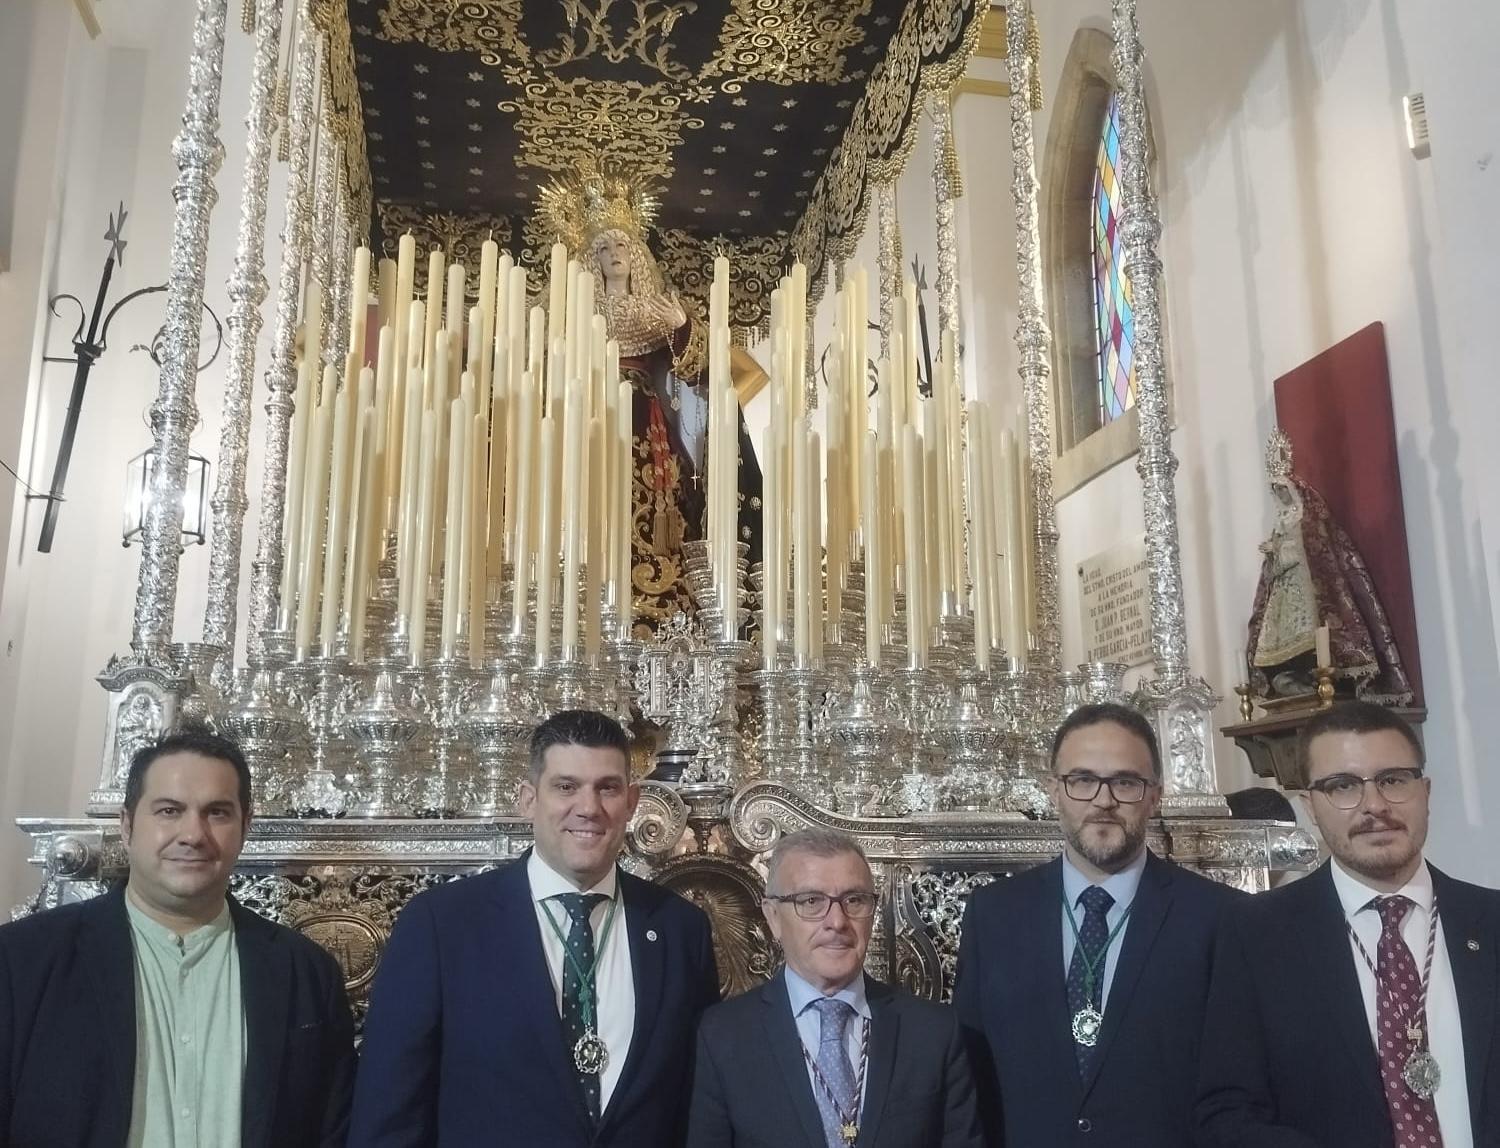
(1356, 1008)
(1082, 982)
(822, 1055)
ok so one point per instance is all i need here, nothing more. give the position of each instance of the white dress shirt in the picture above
(1122, 886)
(615, 1019)
(810, 1023)
(1445, 1037)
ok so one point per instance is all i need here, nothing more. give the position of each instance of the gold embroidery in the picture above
(332, 18)
(648, 38)
(460, 237)
(563, 124)
(778, 42)
(488, 27)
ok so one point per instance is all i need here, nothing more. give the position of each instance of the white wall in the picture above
(101, 116)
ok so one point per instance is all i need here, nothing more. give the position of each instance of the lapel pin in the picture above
(651, 936)
(1473, 946)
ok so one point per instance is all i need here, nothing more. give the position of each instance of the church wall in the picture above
(1294, 215)
(67, 612)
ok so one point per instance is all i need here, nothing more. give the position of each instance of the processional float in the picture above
(443, 557)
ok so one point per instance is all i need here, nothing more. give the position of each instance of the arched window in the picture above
(1114, 317)
(1088, 295)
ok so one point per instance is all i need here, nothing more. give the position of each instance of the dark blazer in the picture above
(1011, 996)
(464, 1045)
(1288, 1061)
(68, 1034)
(751, 1088)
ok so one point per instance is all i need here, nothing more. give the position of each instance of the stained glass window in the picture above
(1113, 314)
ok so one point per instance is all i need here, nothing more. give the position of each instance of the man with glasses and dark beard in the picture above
(823, 1056)
(1082, 982)
(1357, 1008)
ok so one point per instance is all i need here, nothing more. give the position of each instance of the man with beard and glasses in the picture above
(1082, 982)
(1357, 1008)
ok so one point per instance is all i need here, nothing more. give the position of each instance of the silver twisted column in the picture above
(247, 290)
(889, 264)
(265, 574)
(1034, 341)
(945, 192)
(1181, 704)
(199, 153)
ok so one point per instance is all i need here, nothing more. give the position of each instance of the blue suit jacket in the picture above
(463, 1044)
(1011, 997)
(1287, 1059)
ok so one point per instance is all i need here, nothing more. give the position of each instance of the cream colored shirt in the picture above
(1446, 1036)
(189, 1035)
(612, 969)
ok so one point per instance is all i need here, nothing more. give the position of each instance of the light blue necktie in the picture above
(834, 1069)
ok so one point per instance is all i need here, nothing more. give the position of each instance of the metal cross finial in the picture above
(116, 234)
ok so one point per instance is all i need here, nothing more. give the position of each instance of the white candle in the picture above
(359, 302)
(422, 549)
(338, 510)
(384, 485)
(453, 571)
(1320, 638)
(546, 550)
(915, 549)
(573, 515)
(314, 505)
(801, 566)
(773, 572)
(520, 514)
(595, 563)
(489, 267)
(356, 596)
(433, 314)
(870, 508)
(455, 298)
(291, 529)
(625, 496)
(385, 294)
(406, 266)
(979, 546)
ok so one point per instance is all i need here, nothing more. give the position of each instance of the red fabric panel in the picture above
(1336, 409)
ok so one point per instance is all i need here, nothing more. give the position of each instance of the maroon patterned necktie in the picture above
(1399, 1002)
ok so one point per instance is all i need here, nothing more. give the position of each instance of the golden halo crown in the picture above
(1278, 454)
(580, 206)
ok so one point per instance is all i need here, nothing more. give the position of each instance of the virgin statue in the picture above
(604, 219)
(1313, 575)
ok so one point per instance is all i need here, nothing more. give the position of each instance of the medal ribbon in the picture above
(586, 988)
(1420, 1040)
(846, 1120)
(1097, 960)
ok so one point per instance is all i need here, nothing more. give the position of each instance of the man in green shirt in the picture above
(177, 1018)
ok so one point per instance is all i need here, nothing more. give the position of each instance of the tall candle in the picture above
(456, 299)
(625, 496)
(773, 572)
(573, 514)
(870, 509)
(411, 497)
(521, 513)
(484, 370)
(314, 504)
(291, 530)
(338, 510)
(434, 305)
(385, 296)
(934, 448)
(386, 378)
(915, 549)
(1324, 652)
(359, 297)
(422, 548)
(979, 545)
(453, 571)
(357, 600)
(546, 550)
(801, 566)
(594, 568)
(474, 615)
(811, 524)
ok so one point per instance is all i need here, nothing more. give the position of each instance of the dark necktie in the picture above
(580, 943)
(835, 1073)
(1093, 935)
(1398, 997)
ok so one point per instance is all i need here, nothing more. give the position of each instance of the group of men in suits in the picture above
(1106, 997)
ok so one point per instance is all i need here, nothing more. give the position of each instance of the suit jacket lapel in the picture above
(1328, 961)
(785, 1044)
(885, 1024)
(1039, 945)
(516, 939)
(1148, 912)
(265, 989)
(647, 971)
(1476, 978)
(109, 955)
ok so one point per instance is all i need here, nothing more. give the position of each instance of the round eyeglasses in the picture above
(1347, 790)
(857, 906)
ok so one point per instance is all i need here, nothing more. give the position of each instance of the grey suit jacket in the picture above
(751, 1087)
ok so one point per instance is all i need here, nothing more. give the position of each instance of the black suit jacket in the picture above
(751, 1088)
(1012, 998)
(68, 1032)
(464, 1045)
(1288, 1060)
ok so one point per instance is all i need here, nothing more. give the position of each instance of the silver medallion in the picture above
(1086, 1025)
(1421, 1074)
(589, 1053)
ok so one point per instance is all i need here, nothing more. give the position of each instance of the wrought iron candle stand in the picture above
(498, 727)
(382, 728)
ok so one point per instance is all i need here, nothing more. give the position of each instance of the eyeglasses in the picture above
(857, 906)
(1126, 788)
(1347, 790)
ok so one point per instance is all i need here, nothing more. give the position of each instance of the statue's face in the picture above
(612, 251)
